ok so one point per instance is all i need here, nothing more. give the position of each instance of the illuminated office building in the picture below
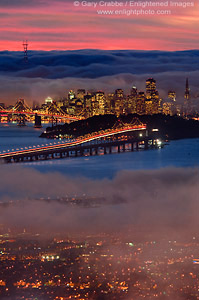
(167, 108)
(78, 106)
(172, 96)
(152, 97)
(140, 103)
(71, 95)
(150, 87)
(110, 103)
(119, 101)
(88, 101)
(100, 98)
(148, 107)
(48, 101)
(171, 104)
(134, 91)
(131, 106)
(156, 102)
(80, 94)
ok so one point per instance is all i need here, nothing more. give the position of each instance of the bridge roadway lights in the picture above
(132, 144)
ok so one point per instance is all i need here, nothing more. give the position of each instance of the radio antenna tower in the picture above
(25, 47)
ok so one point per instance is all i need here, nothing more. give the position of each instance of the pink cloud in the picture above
(61, 25)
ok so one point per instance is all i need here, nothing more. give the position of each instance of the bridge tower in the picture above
(37, 121)
(25, 47)
(20, 109)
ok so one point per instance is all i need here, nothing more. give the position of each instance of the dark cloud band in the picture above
(53, 73)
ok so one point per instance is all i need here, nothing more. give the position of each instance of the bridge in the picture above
(23, 111)
(121, 137)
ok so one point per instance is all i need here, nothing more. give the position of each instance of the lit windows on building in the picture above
(71, 95)
(150, 87)
(100, 98)
(48, 101)
(149, 107)
(167, 108)
(134, 91)
(80, 94)
(119, 93)
(131, 104)
(140, 103)
(172, 96)
(110, 103)
(119, 101)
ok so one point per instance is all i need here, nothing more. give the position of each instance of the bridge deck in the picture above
(92, 143)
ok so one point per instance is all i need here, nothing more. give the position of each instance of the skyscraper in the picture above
(152, 97)
(134, 91)
(150, 87)
(80, 94)
(119, 101)
(131, 106)
(172, 96)
(71, 95)
(100, 98)
(141, 105)
(170, 107)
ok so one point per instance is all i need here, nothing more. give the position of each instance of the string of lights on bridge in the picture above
(34, 146)
(136, 125)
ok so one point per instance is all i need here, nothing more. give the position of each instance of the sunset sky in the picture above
(59, 25)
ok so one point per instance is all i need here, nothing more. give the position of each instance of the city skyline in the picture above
(87, 103)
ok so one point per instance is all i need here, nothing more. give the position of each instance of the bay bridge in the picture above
(21, 113)
(120, 138)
